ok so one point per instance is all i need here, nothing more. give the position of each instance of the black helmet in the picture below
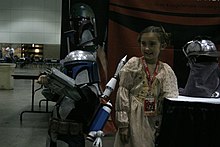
(82, 21)
(82, 10)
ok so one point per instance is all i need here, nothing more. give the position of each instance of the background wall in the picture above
(52, 51)
(31, 21)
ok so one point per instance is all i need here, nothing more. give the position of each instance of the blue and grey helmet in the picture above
(82, 67)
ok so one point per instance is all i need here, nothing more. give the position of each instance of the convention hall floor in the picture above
(32, 130)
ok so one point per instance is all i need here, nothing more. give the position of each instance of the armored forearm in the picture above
(61, 84)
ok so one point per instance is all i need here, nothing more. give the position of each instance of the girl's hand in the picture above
(124, 134)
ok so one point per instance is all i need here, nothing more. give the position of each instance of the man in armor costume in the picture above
(204, 76)
(81, 107)
(76, 86)
(75, 104)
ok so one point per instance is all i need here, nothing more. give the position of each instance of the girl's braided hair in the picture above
(163, 36)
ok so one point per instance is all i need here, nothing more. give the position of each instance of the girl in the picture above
(144, 83)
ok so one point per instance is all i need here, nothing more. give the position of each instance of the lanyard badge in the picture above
(150, 103)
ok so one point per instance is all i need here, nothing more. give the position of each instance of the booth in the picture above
(190, 122)
(6, 79)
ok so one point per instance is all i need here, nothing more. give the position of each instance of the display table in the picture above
(190, 122)
(32, 77)
(6, 70)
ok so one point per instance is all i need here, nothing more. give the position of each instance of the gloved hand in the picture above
(98, 140)
(42, 79)
(124, 134)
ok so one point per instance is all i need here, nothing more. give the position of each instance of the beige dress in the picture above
(129, 105)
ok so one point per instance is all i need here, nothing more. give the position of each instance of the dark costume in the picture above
(204, 77)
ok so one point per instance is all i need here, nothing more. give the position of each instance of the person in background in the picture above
(0, 53)
(144, 83)
(9, 56)
(204, 76)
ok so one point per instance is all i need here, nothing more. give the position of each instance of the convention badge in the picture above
(150, 106)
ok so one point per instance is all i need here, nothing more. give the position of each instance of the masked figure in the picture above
(204, 76)
(82, 33)
(76, 102)
(75, 88)
(81, 107)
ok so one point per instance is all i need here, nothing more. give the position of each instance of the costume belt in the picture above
(59, 126)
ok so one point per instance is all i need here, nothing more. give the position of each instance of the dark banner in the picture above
(184, 19)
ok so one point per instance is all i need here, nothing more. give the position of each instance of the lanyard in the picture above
(150, 79)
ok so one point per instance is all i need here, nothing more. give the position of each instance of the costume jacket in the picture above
(129, 104)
